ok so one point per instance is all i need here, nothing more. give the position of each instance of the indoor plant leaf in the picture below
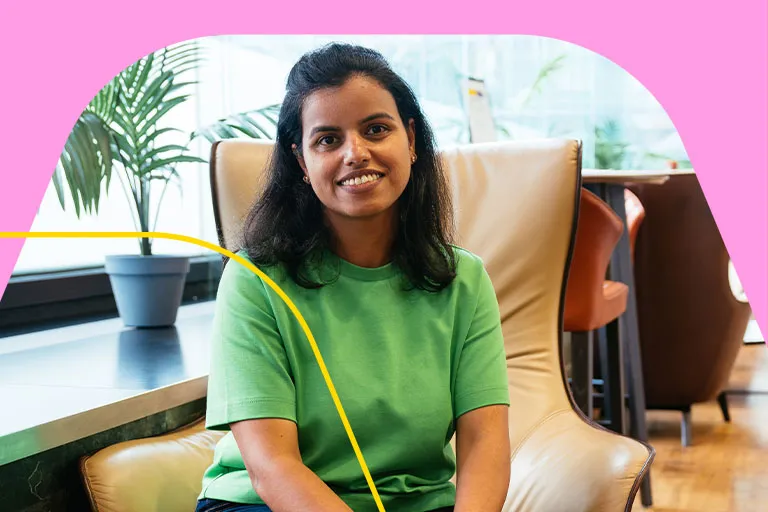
(158, 164)
(247, 123)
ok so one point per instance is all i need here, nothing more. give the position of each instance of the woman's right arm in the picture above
(251, 392)
(270, 450)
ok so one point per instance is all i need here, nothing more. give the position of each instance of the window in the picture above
(538, 87)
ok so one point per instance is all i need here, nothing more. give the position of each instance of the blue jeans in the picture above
(207, 505)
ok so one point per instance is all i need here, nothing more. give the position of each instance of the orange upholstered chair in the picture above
(635, 216)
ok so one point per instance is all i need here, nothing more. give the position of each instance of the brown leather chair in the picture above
(516, 207)
(691, 324)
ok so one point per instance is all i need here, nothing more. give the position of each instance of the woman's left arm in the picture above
(481, 404)
(482, 457)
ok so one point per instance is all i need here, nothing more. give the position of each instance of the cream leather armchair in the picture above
(516, 207)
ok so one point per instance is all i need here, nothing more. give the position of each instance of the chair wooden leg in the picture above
(582, 371)
(722, 399)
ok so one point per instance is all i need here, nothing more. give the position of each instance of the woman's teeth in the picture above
(361, 180)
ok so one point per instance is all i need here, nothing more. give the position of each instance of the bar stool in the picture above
(635, 212)
(635, 216)
(593, 303)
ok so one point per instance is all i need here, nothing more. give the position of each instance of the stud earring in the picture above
(413, 159)
(306, 179)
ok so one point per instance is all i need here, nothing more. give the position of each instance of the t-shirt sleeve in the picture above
(250, 374)
(481, 378)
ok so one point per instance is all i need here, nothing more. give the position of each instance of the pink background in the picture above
(705, 63)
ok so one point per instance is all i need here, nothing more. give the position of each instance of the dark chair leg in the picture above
(582, 371)
(722, 399)
(611, 362)
(686, 430)
(621, 270)
(599, 334)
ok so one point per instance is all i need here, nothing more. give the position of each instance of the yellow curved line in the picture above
(255, 270)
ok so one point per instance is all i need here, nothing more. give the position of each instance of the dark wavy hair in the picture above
(286, 224)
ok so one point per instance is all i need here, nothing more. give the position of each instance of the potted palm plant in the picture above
(610, 149)
(121, 133)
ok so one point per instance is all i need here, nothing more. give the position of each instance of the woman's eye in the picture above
(378, 129)
(325, 141)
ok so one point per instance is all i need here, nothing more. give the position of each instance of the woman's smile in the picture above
(358, 182)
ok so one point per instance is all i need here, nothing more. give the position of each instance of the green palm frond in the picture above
(85, 163)
(120, 130)
(260, 123)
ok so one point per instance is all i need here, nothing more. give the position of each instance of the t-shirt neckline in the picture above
(359, 273)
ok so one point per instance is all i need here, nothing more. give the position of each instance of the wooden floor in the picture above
(726, 467)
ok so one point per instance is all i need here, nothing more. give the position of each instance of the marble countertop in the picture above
(65, 384)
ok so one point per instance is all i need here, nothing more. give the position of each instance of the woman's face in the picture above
(356, 150)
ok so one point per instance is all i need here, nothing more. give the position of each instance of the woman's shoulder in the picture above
(467, 261)
(239, 264)
(240, 271)
(470, 269)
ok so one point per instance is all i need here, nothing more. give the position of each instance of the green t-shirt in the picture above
(405, 364)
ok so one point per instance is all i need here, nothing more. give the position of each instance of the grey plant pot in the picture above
(147, 289)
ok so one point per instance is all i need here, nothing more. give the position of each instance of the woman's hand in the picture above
(271, 454)
(482, 456)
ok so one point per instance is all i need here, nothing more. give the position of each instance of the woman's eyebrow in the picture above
(317, 129)
(376, 116)
(328, 128)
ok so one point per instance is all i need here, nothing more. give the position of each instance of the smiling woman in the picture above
(346, 114)
(358, 168)
(353, 224)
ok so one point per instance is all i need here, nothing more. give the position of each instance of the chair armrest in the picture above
(568, 465)
(162, 473)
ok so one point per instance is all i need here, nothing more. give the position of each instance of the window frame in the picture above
(37, 302)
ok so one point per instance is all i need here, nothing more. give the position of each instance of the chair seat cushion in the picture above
(608, 306)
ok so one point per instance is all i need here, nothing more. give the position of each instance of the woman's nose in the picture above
(356, 151)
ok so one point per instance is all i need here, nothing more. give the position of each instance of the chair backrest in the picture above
(236, 169)
(635, 216)
(691, 325)
(599, 231)
(516, 207)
